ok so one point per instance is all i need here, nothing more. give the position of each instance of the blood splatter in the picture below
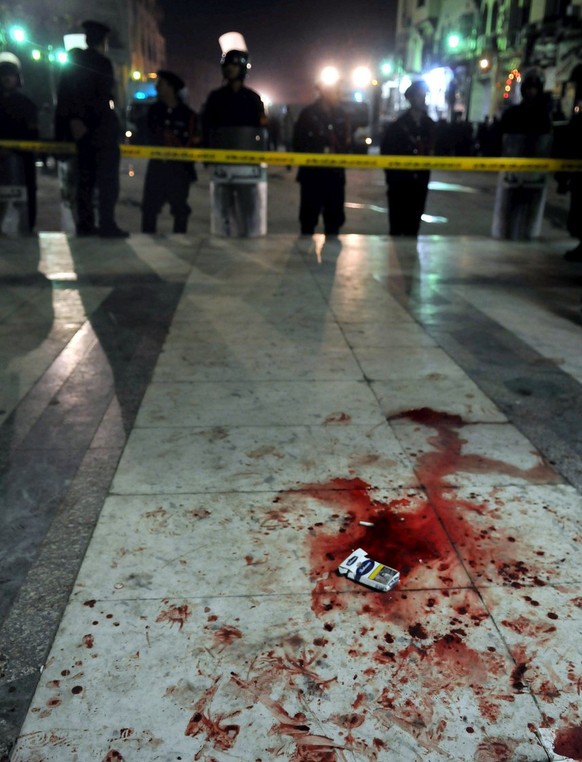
(568, 742)
(227, 634)
(175, 615)
(113, 756)
(88, 641)
(218, 731)
(338, 418)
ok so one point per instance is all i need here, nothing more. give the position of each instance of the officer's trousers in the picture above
(98, 167)
(322, 192)
(166, 182)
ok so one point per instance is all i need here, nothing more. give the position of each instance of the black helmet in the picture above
(238, 57)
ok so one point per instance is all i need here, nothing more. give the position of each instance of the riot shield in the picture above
(13, 197)
(521, 196)
(238, 192)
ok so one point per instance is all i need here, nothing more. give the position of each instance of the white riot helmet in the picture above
(10, 64)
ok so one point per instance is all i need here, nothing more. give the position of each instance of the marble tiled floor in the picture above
(429, 389)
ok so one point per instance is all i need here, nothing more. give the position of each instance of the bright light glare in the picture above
(405, 83)
(358, 97)
(386, 68)
(484, 63)
(136, 75)
(62, 57)
(438, 79)
(453, 41)
(18, 34)
(266, 100)
(361, 76)
(36, 54)
(329, 76)
(128, 133)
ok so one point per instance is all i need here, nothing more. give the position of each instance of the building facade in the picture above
(474, 52)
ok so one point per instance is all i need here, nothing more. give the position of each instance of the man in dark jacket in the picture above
(412, 134)
(171, 123)
(85, 114)
(322, 127)
(18, 121)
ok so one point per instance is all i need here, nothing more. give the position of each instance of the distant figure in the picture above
(18, 121)
(322, 127)
(412, 134)
(531, 116)
(85, 114)
(170, 122)
(274, 132)
(572, 182)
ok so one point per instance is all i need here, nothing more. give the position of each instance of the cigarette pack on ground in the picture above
(361, 568)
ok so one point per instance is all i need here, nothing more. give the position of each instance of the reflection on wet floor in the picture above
(435, 185)
(434, 219)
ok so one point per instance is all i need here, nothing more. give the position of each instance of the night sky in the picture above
(288, 41)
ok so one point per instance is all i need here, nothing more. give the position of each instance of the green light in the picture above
(18, 34)
(453, 41)
(36, 54)
(62, 57)
(386, 68)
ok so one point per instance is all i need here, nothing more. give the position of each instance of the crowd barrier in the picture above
(291, 159)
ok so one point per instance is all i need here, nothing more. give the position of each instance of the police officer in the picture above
(18, 121)
(169, 122)
(322, 127)
(234, 104)
(232, 118)
(412, 134)
(85, 114)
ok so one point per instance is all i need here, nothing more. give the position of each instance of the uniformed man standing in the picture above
(85, 114)
(170, 122)
(234, 117)
(412, 134)
(322, 127)
(18, 121)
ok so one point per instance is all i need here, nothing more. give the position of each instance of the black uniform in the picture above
(236, 199)
(321, 128)
(169, 181)
(226, 107)
(407, 189)
(86, 93)
(19, 121)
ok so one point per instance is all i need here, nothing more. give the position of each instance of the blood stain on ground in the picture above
(568, 742)
(217, 729)
(227, 634)
(175, 615)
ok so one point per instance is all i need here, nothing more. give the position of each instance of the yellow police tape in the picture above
(348, 161)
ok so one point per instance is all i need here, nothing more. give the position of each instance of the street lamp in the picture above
(18, 34)
(386, 68)
(361, 77)
(453, 41)
(329, 76)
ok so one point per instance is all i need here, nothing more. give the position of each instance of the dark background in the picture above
(289, 42)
